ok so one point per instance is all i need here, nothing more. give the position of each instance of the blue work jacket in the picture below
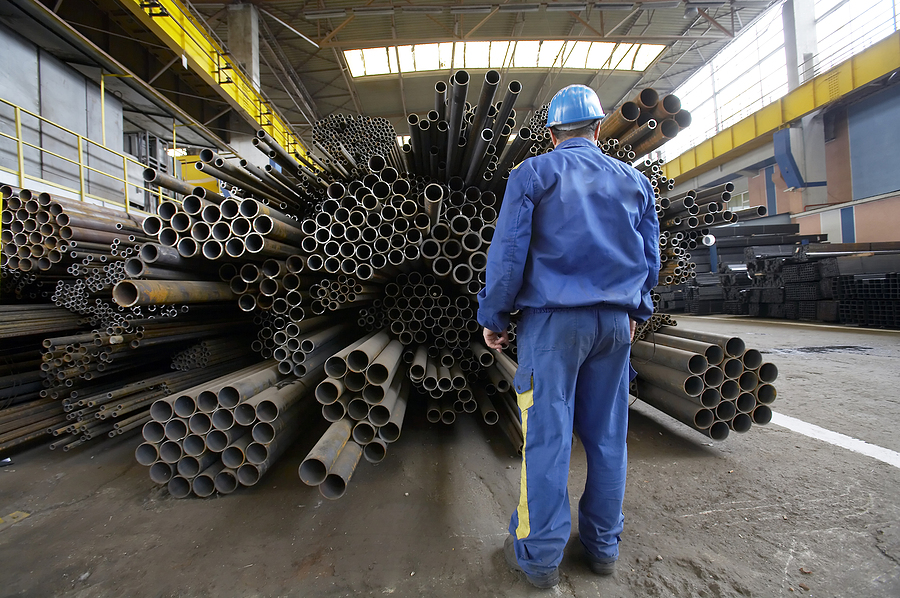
(576, 228)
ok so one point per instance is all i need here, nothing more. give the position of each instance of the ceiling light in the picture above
(707, 3)
(474, 9)
(614, 5)
(374, 10)
(664, 4)
(313, 15)
(520, 7)
(424, 10)
(566, 6)
(690, 11)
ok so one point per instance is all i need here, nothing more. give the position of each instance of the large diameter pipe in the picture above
(677, 359)
(128, 293)
(619, 121)
(506, 107)
(315, 467)
(151, 175)
(335, 483)
(685, 411)
(733, 346)
(459, 86)
(669, 379)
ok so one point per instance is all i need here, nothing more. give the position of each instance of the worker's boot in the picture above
(544, 582)
(597, 565)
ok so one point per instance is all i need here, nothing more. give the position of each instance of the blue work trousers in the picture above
(573, 370)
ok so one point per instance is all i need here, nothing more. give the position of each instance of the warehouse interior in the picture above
(240, 254)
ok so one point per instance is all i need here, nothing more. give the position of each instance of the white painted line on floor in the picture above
(857, 446)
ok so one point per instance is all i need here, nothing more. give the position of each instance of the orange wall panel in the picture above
(878, 220)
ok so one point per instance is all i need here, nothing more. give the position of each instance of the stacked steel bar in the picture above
(710, 382)
(225, 432)
(364, 396)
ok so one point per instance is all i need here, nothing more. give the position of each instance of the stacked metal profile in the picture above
(225, 432)
(710, 382)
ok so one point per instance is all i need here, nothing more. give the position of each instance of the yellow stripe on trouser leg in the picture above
(525, 401)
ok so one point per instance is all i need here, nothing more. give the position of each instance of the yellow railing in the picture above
(82, 145)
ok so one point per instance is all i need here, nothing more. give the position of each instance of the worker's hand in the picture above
(633, 325)
(496, 340)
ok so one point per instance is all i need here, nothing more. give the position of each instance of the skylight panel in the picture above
(501, 54)
(598, 55)
(499, 51)
(427, 58)
(355, 63)
(478, 55)
(576, 55)
(407, 60)
(549, 53)
(376, 61)
(445, 52)
(646, 54)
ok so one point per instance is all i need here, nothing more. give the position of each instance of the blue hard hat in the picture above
(574, 104)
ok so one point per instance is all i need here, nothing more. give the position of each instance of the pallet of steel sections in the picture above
(802, 291)
(808, 310)
(869, 263)
(755, 230)
(706, 307)
(827, 287)
(827, 311)
(883, 314)
(852, 312)
(762, 251)
(792, 310)
(772, 295)
(736, 308)
(772, 310)
(828, 267)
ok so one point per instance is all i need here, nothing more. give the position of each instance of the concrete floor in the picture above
(768, 513)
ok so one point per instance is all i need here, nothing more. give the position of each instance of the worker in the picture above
(576, 250)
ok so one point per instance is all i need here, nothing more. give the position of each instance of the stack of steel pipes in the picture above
(227, 431)
(684, 225)
(348, 142)
(365, 397)
(710, 382)
(24, 415)
(106, 380)
(643, 124)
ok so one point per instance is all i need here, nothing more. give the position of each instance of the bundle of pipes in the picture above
(211, 351)
(105, 374)
(710, 382)
(684, 225)
(643, 124)
(35, 319)
(364, 396)
(47, 235)
(24, 415)
(348, 142)
(227, 431)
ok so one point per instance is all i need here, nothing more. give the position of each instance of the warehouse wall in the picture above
(837, 161)
(38, 82)
(874, 144)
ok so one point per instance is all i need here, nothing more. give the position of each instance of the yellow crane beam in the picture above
(756, 130)
(175, 26)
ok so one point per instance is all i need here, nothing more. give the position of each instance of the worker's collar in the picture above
(575, 142)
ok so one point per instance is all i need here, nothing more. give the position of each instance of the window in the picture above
(497, 55)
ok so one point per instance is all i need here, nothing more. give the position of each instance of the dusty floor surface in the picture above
(760, 514)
